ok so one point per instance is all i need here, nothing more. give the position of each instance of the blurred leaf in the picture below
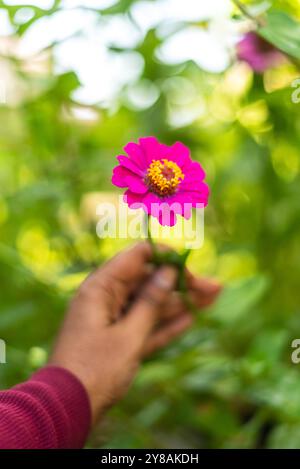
(238, 299)
(284, 436)
(283, 32)
(14, 316)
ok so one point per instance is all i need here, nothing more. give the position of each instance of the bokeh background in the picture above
(78, 80)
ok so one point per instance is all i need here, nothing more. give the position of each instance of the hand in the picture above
(121, 313)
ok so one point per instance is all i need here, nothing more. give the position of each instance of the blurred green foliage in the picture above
(229, 382)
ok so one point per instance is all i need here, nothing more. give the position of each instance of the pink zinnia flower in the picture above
(258, 53)
(161, 179)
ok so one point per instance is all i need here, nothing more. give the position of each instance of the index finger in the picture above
(126, 267)
(129, 265)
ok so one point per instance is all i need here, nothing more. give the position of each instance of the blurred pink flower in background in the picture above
(258, 53)
(161, 178)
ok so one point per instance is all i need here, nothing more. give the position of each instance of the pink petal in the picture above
(167, 218)
(200, 197)
(195, 171)
(133, 200)
(149, 202)
(258, 52)
(160, 208)
(194, 185)
(127, 163)
(153, 149)
(152, 205)
(180, 154)
(164, 210)
(181, 204)
(136, 155)
(122, 177)
(136, 184)
(119, 176)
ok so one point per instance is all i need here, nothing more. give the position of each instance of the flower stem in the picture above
(182, 285)
(172, 258)
(150, 239)
(246, 13)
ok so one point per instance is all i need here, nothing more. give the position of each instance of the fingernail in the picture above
(165, 277)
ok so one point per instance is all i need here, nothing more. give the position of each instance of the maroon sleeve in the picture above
(51, 410)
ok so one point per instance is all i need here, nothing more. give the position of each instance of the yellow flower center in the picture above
(163, 177)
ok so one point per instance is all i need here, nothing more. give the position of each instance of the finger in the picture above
(146, 309)
(203, 291)
(173, 307)
(128, 265)
(206, 286)
(167, 333)
(109, 287)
